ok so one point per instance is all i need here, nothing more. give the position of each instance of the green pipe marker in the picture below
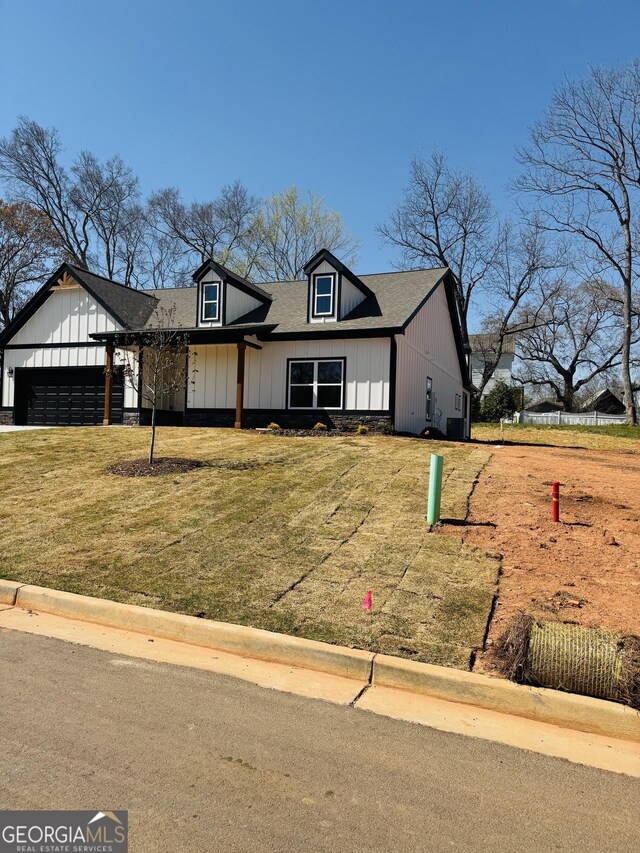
(435, 489)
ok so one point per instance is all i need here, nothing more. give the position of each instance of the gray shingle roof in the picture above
(181, 300)
(396, 296)
(132, 308)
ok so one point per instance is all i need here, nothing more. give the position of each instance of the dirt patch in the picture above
(162, 465)
(583, 571)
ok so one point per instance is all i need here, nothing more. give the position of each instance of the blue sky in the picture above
(334, 96)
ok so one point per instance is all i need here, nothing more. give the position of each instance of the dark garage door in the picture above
(65, 396)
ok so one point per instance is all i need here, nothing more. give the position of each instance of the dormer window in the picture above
(333, 290)
(211, 301)
(323, 295)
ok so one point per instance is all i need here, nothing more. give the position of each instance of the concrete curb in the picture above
(567, 710)
(8, 591)
(237, 639)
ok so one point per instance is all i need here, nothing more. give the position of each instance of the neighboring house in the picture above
(548, 404)
(483, 351)
(606, 402)
(383, 350)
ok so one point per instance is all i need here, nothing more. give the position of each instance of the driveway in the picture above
(21, 428)
(206, 762)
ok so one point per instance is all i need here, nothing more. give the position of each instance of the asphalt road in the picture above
(206, 762)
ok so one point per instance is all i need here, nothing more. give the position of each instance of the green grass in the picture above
(613, 437)
(290, 544)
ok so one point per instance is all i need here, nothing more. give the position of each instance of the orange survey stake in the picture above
(555, 500)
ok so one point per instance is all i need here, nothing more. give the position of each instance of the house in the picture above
(384, 350)
(545, 406)
(605, 402)
(483, 351)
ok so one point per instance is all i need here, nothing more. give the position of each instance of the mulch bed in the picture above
(161, 465)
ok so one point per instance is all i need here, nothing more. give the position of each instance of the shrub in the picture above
(499, 403)
(319, 425)
(387, 429)
(273, 425)
(362, 429)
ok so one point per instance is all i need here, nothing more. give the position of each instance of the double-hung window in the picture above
(211, 301)
(323, 295)
(316, 384)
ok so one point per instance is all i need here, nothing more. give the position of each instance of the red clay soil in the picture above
(584, 570)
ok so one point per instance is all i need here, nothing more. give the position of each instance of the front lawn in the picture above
(611, 437)
(286, 534)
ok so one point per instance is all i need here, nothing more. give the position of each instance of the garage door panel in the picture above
(68, 396)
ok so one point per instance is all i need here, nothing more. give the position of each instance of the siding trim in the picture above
(393, 369)
(70, 344)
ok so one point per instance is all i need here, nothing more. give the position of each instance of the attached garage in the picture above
(65, 396)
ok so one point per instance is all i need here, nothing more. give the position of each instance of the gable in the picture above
(234, 297)
(347, 291)
(68, 314)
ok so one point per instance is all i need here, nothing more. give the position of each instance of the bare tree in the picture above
(27, 247)
(221, 229)
(582, 167)
(446, 219)
(577, 338)
(524, 273)
(106, 195)
(291, 230)
(89, 206)
(156, 364)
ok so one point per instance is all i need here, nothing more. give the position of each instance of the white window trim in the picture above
(314, 311)
(204, 302)
(314, 384)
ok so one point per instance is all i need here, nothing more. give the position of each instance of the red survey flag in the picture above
(367, 602)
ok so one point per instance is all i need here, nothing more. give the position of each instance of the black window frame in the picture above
(314, 384)
(316, 315)
(429, 399)
(204, 302)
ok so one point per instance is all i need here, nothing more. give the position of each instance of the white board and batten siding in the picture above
(428, 349)
(350, 297)
(69, 316)
(367, 373)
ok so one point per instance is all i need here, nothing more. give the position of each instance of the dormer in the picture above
(224, 297)
(333, 290)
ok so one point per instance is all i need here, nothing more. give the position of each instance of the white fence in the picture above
(569, 418)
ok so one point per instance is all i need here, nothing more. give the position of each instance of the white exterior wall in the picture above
(367, 373)
(502, 372)
(350, 296)
(239, 303)
(428, 348)
(69, 315)
(170, 402)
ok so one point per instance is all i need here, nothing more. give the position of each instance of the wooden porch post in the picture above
(242, 348)
(108, 385)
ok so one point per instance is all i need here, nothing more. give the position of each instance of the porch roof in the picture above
(195, 335)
